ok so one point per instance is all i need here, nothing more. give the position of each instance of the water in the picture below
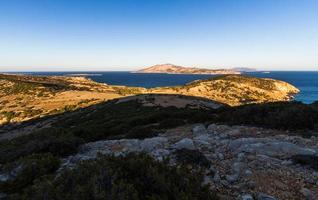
(307, 82)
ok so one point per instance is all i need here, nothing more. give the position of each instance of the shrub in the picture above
(28, 169)
(132, 177)
(192, 157)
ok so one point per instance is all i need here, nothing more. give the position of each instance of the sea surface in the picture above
(307, 82)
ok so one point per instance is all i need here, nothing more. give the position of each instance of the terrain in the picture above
(229, 137)
(174, 69)
(24, 97)
(149, 147)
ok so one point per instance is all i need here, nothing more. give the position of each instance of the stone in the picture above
(248, 173)
(199, 130)
(207, 180)
(262, 196)
(287, 162)
(212, 129)
(223, 136)
(241, 157)
(4, 177)
(220, 156)
(269, 147)
(150, 144)
(232, 178)
(308, 194)
(237, 167)
(185, 143)
(160, 154)
(216, 177)
(246, 197)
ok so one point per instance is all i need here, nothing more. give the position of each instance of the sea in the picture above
(306, 82)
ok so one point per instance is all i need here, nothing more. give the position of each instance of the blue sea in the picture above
(307, 82)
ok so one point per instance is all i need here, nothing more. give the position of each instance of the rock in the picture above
(185, 143)
(199, 130)
(232, 178)
(287, 162)
(237, 167)
(150, 144)
(212, 129)
(160, 154)
(224, 183)
(268, 147)
(223, 136)
(207, 180)
(248, 173)
(308, 194)
(4, 177)
(216, 177)
(241, 157)
(262, 196)
(245, 197)
(220, 156)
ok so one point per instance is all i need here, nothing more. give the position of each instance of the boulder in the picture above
(269, 147)
(199, 130)
(185, 143)
(150, 144)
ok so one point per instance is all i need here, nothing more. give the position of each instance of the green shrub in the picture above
(123, 178)
(28, 169)
(192, 157)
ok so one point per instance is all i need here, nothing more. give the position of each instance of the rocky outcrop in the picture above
(243, 162)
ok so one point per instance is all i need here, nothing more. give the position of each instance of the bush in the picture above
(28, 169)
(132, 177)
(192, 157)
(306, 160)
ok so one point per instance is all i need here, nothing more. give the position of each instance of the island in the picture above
(175, 69)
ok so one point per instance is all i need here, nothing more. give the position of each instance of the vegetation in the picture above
(25, 170)
(310, 161)
(192, 157)
(280, 115)
(123, 178)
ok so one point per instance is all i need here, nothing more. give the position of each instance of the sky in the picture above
(119, 35)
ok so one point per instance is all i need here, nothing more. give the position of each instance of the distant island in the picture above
(175, 69)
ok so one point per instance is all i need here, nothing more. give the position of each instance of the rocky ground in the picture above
(239, 162)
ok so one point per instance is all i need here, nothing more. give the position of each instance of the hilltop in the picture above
(25, 97)
(235, 90)
(174, 69)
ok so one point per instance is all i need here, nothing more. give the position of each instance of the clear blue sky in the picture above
(107, 35)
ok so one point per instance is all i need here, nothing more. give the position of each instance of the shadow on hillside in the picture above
(40, 122)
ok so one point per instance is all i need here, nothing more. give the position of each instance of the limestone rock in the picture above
(185, 143)
(199, 130)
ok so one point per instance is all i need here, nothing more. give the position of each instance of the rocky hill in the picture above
(174, 69)
(235, 90)
(27, 97)
(174, 145)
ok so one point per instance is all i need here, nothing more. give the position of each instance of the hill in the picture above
(235, 90)
(174, 69)
(27, 97)
(149, 143)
